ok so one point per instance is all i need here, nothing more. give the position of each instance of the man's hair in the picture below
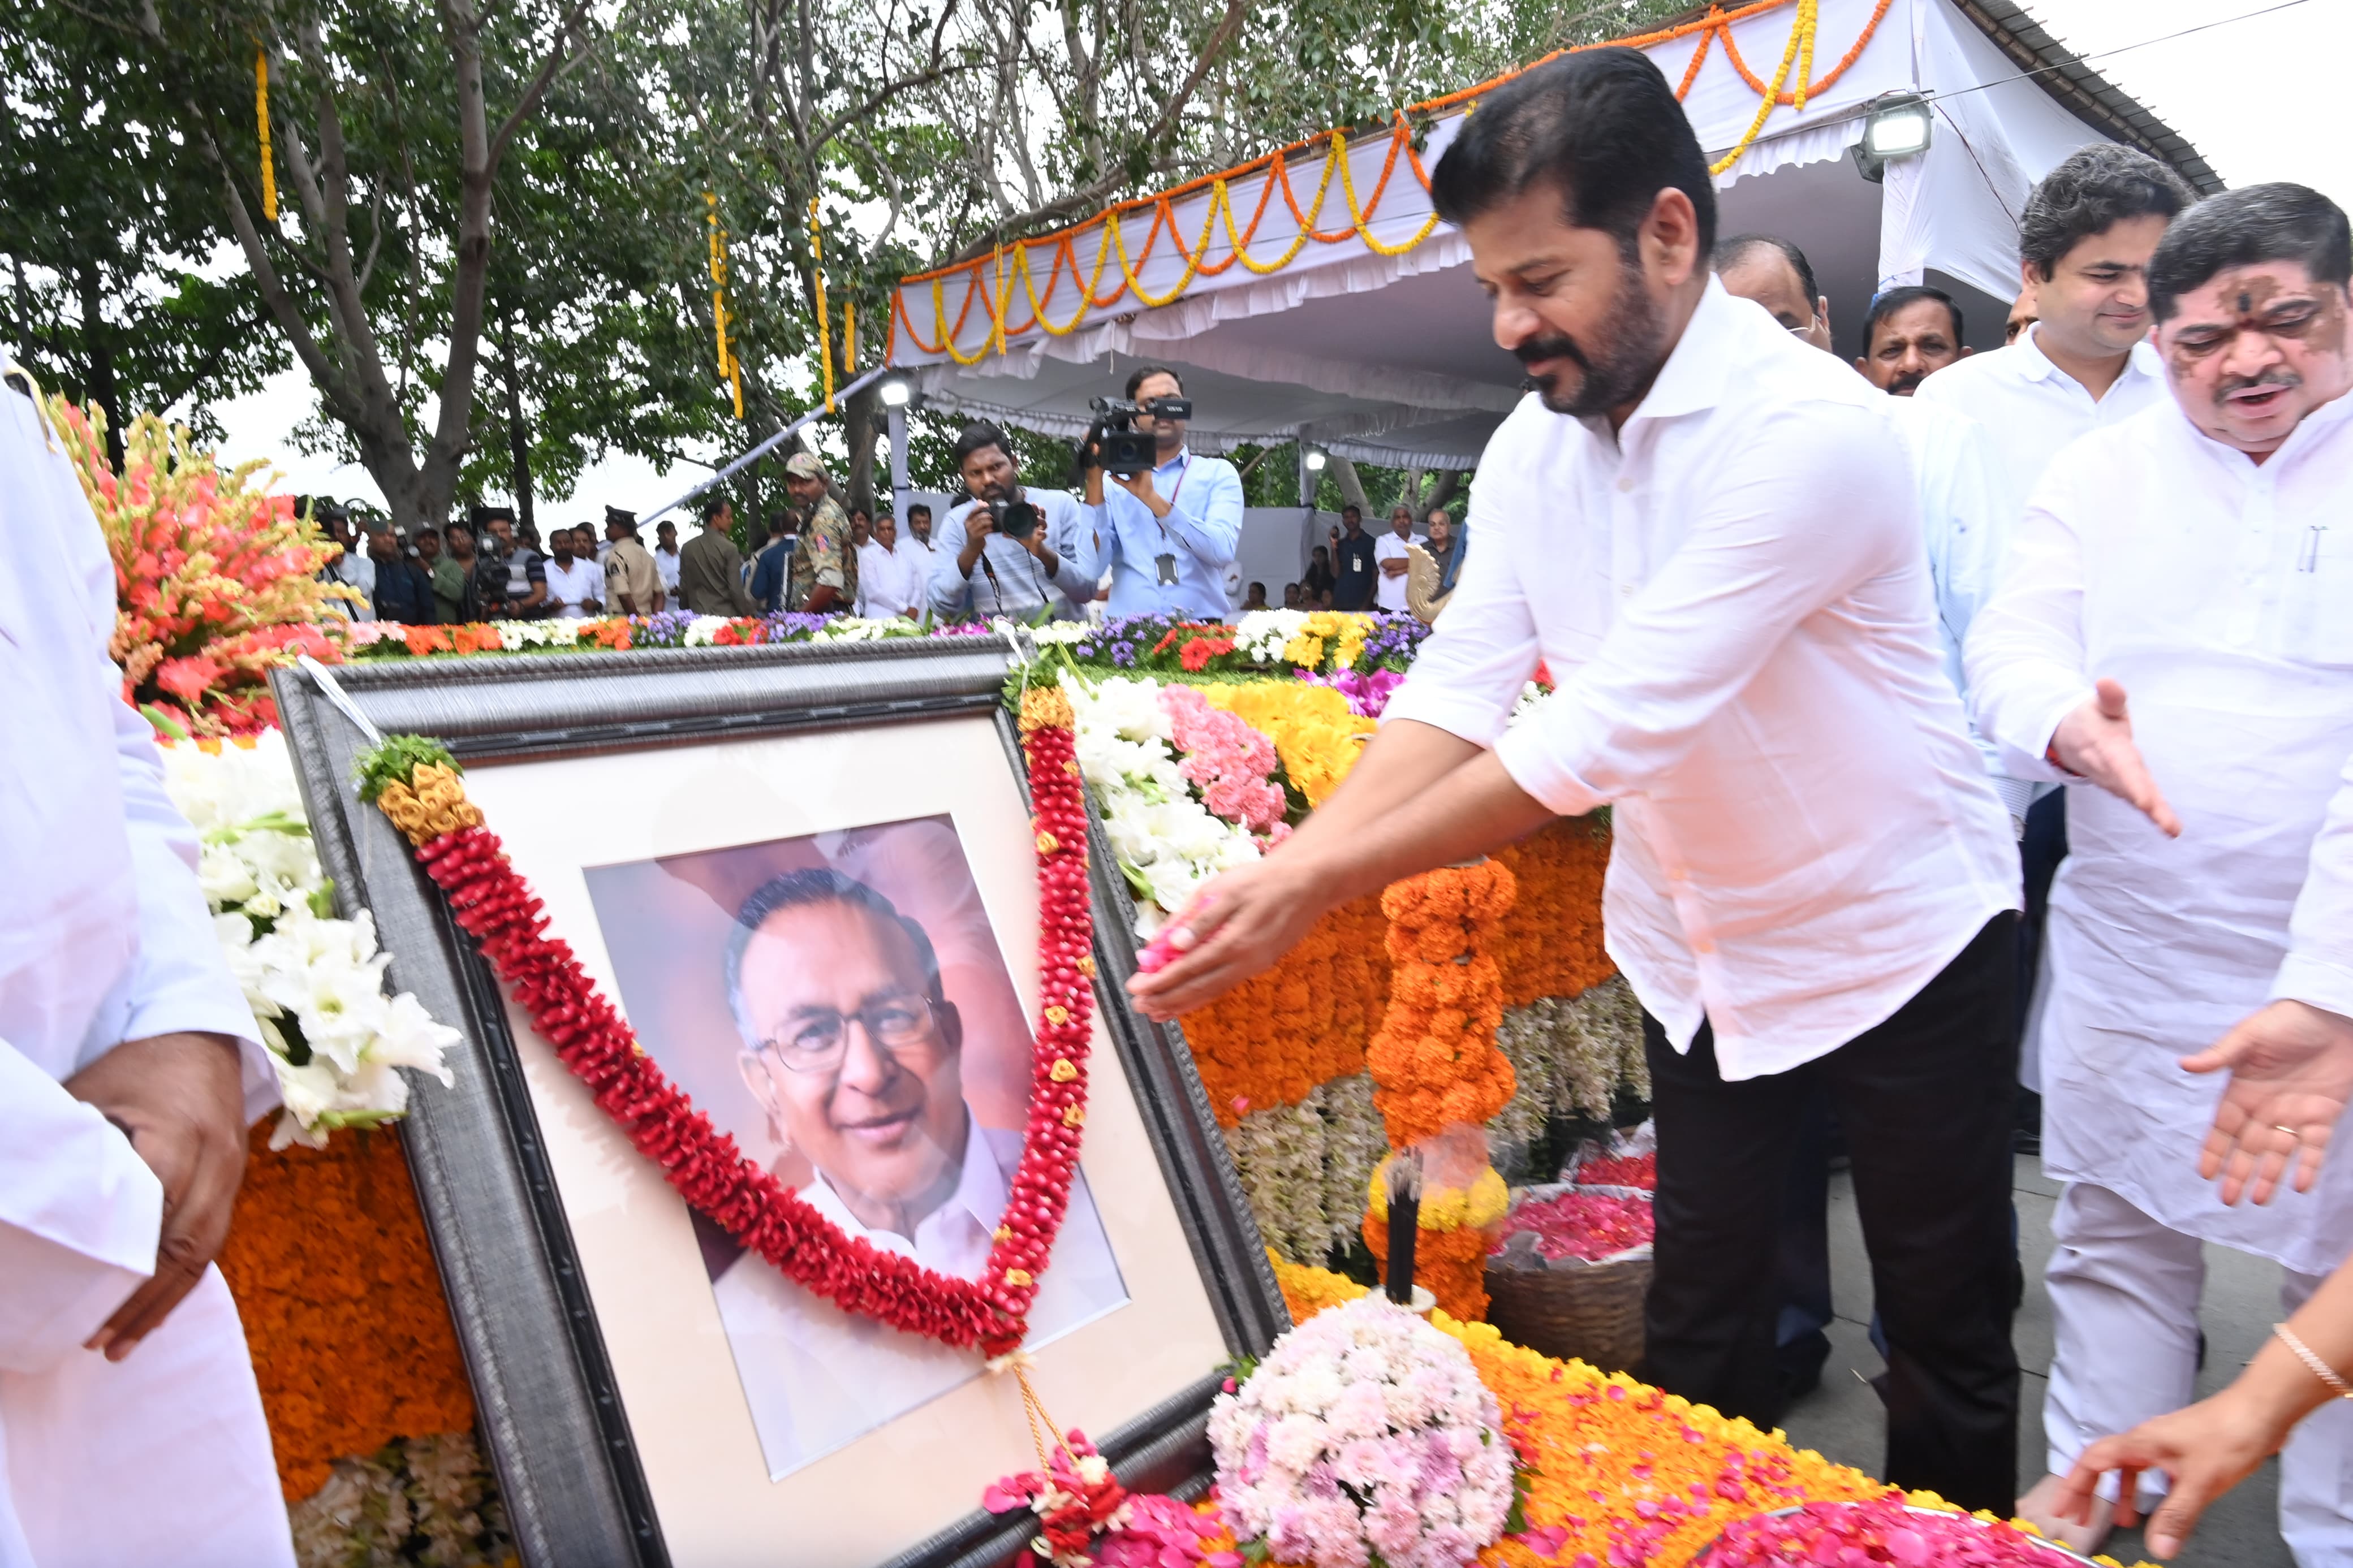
(665, 525)
(917, 507)
(2093, 189)
(428, 528)
(1601, 124)
(979, 436)
(1895, 299)
(1737, 249)
(805, 890)
(1353, 507)
(1259, 588)
(1145, 372)
(779, 523)
(2275, 222)
(713, 506)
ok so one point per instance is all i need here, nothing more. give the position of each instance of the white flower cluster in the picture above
(315, 983)
(1263, 635)
(1046, 633)
(517, 636)
(1525, 703)
(1307, 1168)
(1167, 843)
(1365, 1436)
(854, 628)
(1572, 1057)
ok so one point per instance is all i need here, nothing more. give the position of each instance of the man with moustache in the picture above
(1699, 524)
(2174, 631)
(1912, 333)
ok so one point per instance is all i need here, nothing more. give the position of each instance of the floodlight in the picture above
(896, 392)
(1314, 459)
(1898, 127)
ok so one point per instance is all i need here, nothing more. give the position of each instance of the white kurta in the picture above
(2217, 591)
(818, 1378)
(103, 938)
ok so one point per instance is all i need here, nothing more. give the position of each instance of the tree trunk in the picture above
(517, 438)
(100, 386)
(1352, 488)
(1442, 493)
(863, 423)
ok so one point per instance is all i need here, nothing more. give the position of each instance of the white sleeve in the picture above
(2318, 969)
(2025, 657)
(1818, 500)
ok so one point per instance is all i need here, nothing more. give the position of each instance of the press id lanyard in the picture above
(1167, 560)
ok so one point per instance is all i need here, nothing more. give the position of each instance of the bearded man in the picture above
(1701, 524)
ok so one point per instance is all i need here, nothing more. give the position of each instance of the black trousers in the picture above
(1925, 1099)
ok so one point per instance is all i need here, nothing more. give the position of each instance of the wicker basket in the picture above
(1592, 1314)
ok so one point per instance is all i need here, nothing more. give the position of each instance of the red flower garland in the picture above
(495, 906)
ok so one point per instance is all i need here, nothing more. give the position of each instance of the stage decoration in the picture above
(352, 1346)
(417, 784)
(315, 983)
(1881, 1531)
(216, 580)
(721, 318)
(414, 1500)
(1438, 1075)
(261, 119)
(1093, 268)
(1586, 1226)
(824, 318)
(1365, 1436)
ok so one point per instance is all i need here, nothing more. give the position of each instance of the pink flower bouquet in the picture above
(1365, 1436)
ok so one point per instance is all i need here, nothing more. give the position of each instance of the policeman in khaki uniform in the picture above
(824, 576)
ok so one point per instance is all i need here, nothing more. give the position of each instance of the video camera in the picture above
(1013, 518)
(1118, 446)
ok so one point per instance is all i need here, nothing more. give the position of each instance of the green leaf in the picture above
(164, 722)
(396, 761)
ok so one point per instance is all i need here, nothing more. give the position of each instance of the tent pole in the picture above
(900, 493)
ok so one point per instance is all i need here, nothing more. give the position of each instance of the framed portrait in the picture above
(805, 876)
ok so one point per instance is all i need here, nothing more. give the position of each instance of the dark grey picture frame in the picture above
(552, 1419)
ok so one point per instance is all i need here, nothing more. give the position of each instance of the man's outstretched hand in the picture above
(180, 1098)
(2291, 1072)
(2095, 743)
(1236, 925)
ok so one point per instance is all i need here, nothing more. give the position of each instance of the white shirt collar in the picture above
(2036, 365)
(954, 1239)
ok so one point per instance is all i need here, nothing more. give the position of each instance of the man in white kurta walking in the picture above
(131, 1430)
(2193, 562)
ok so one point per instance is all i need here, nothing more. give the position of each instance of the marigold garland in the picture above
(341, 1304)
(1434, 1062)
(495, 906)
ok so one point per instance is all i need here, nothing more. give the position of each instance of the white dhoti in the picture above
(162, 1459)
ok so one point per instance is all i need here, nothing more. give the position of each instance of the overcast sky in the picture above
(2261, 95)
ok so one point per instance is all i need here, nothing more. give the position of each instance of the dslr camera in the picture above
(1013, 518)
(1114, 442)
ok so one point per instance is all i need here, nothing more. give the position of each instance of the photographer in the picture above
(1167, 535)
(1009, 550)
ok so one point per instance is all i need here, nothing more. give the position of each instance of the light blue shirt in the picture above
(1200, 534)
(1018, 586)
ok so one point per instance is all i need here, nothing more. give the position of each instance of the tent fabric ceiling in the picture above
(1389, 358)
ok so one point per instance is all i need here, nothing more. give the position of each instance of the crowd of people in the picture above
(1870, 667)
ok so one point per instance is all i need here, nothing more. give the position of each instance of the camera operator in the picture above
(1168, 536)
(1008, 551)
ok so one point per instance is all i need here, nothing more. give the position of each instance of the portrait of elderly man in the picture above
(853, 1047)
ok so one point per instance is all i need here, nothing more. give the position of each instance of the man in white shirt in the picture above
(2083, 244)
(666, 559)
(2193, 560)
(1700, 525)
(1391, 556)
(919, 531)
(576, 587)
(890, 582)
(1167, 536)
(853, 1047)
(1912, 333)
(1952, 466)
(1021, 566)
(130, 1423)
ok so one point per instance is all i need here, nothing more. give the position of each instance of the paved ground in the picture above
(1842, 1418)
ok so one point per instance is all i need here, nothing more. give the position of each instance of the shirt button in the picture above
(1678, 875)
(1704, 946)
(1626, 483)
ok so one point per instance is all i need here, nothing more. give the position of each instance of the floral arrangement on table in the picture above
(1620, 1473)
(315, 983)
(215, 579)
(1365, 1436)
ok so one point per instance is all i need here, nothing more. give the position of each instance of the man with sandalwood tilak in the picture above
(1700, 523)
(2172, 641)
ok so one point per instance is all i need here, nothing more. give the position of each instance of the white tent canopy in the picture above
(1313, 294)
